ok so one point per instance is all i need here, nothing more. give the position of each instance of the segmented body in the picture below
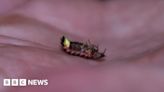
(89, 51)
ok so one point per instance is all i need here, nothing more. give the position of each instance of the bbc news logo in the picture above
(25, 82)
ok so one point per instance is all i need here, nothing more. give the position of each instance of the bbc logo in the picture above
(14, 82)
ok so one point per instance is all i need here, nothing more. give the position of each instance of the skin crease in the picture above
(132, 32)
(6, 5)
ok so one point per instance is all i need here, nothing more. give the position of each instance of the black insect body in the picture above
(89, 51)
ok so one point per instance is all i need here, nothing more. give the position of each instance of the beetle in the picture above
(86, 50)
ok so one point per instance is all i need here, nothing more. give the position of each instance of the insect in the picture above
(86, 50)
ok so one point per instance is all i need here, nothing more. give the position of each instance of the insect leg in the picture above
(104, 51)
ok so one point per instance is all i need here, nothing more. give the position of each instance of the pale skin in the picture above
(132, 33)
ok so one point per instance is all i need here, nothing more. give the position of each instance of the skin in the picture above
(132, 32)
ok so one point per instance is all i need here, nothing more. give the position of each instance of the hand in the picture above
(131, 32)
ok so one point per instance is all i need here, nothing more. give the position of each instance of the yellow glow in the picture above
(66, 42)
